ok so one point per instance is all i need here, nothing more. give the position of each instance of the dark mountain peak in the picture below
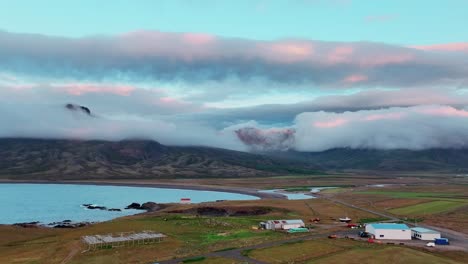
(78, 108)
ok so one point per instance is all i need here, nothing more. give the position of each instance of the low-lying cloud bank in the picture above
(414, 128)
(195, 57)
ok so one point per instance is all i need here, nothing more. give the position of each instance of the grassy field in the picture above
(345, 251)
(396, 194)
(433, 207)
(295, 252)
(383, 254)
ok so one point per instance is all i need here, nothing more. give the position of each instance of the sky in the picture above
(306, 75)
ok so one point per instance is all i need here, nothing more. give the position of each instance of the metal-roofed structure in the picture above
(389, 231)
(122, 239)
(424, 233)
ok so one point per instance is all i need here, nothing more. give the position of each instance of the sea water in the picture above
(48, 203)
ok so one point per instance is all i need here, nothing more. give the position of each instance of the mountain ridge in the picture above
(61, 159)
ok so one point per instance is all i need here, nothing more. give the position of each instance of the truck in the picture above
(441, 241)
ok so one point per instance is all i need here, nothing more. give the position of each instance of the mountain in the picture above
(72, 159)
(455, 160)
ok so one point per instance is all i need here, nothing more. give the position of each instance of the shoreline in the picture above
(181, 186)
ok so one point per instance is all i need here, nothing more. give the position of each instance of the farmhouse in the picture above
(389, 231)
(424, 233)
(282, 224)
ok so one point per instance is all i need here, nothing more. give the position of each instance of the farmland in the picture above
(433, 207)
(191, 235)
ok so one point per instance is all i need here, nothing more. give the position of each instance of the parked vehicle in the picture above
(333, 236)
(430, 244)
(441, 241)
(363, 234)
(345, 219)
(352, 225)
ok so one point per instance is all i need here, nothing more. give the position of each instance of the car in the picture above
(333, 236)
(363, 234)
(430, 244)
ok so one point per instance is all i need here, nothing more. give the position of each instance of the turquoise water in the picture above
(297, 195)
(48, 203)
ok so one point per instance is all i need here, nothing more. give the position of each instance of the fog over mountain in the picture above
(200, 89)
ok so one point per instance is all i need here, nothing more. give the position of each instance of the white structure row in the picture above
(282, 224)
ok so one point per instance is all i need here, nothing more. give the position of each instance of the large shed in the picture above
(389, 231)
(424, 233)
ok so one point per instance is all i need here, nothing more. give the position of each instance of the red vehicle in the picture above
(352, 225)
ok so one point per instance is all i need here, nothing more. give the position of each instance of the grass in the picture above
(395, 194)
(383, 254)
(346, 251)
(433, 207)
(371, 220)
(238, 234)
(195, 259)
(294, 252)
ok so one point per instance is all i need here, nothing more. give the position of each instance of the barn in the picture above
(389, 231)
(424, 233)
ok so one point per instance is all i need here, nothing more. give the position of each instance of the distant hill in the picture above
(384, 160)
(71, 159)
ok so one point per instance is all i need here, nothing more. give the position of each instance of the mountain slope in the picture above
(385, 160)
(68, 159)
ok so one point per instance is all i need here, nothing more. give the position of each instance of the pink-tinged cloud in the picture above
(198, 38)
(286, 51)
(355, 78)
(450, 47)
(79, 89)
(445, 111)
(331, 123)
(384, 59)
(389, 116)
(198, 57)
(340, 54)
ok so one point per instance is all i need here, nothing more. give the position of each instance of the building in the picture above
(424, 233)
(282, 224)
(389, 231)
(185, 200)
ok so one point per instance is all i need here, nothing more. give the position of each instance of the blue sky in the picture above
(389, 21)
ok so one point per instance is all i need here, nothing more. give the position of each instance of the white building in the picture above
(389, 231)
(282, 224)
(424, 233)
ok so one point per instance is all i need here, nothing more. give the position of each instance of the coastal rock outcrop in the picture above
(148, 206)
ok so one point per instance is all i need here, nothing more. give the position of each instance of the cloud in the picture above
(364, 100)
(415, 128)
(55, 121)
(447, 47)
(108, 99)
(198, 58)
